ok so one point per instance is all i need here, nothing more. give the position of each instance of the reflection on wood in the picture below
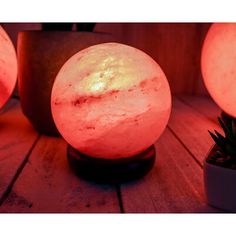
(16, 138)
(47, 184)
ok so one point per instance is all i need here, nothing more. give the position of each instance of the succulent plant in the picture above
(225, 153)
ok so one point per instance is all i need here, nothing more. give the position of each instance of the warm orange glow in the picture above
(8, 67)
(219, 65)
(111, 101)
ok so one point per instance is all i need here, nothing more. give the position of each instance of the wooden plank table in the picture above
(35, 176)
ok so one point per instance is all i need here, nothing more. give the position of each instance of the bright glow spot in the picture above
(117, 108)
(219, 65)
(98, 86)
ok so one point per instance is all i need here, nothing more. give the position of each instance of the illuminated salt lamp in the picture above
(218, 64)
(111, 102)
(8, 67)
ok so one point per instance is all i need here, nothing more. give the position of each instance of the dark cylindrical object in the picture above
(111, 170)
(40, 57)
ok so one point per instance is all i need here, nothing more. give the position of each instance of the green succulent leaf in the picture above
(224, 127)
(227, 143)
(233, 127)
(213, 136)
(219, 136)
(219, 141)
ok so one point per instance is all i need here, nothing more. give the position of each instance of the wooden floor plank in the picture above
(47, 184)
(203, 104)
(174, 185)
(191, 128)
(16, 138)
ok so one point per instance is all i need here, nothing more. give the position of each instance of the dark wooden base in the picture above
(111, 171)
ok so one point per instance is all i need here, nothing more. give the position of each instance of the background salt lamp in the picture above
(41, 54)
(111, 102)
(219, 65)
(219, 72)
(8, 67)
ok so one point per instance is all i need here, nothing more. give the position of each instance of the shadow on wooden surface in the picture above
(47, 184)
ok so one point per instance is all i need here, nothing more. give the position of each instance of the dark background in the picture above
(175, 46)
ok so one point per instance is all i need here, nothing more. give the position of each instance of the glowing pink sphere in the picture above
(111, 101)
(219, 65)
(8, 67)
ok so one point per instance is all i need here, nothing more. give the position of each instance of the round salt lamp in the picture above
(218, 64)
(111, 102)
(8, 67)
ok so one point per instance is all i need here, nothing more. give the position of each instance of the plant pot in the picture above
(40, 56)
(220, 185)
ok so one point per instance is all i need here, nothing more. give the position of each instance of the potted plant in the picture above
(220, 168)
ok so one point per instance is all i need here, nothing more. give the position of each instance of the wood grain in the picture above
(203, 104)
(174, 185)
(190, 127)
(16, 138)
(47, 184)
(175, 46)
(176, 182)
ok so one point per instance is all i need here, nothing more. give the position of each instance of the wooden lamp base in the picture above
(111, 171)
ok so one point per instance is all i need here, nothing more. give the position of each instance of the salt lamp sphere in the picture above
(111, 101)
(8, 67)
(219, 65)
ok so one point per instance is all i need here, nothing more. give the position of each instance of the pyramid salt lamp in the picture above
(8, 67)
(111, 102)
(219, 65)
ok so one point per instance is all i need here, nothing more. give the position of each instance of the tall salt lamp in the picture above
(8, 67)
(219, 65)
(111, 102)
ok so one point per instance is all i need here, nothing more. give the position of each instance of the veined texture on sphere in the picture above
(218, 64)
(111, 101)
(8, 67)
